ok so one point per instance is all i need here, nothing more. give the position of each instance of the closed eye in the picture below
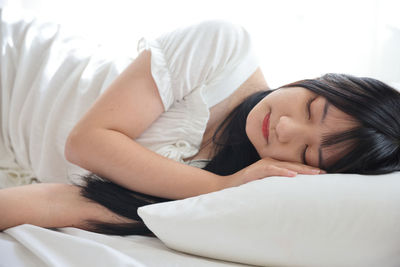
(303, 156)
(309, 107)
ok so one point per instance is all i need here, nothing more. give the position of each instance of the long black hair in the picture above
(375, 143)
(373, 146)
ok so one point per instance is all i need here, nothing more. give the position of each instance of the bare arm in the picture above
(103, 140)
(50, 205)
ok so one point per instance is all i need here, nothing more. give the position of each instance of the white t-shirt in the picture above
(194, 69)
(49, 81)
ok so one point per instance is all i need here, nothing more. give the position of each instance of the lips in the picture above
(265, 126)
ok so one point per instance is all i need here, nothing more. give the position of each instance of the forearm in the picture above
(24, 204)
(50, 206)
(115, 156)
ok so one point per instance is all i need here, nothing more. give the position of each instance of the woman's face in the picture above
(295, 120)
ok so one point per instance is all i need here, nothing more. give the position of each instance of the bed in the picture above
(325, 220)
(32, 246)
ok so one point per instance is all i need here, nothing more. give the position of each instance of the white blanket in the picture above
(46, 78)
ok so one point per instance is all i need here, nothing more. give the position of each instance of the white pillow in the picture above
(323, 220)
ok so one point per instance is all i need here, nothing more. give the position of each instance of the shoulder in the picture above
(256, 82)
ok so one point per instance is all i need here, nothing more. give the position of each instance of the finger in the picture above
(294, 166)
(278, 171)
(300, 168)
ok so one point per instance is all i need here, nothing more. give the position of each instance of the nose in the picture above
(287, 129)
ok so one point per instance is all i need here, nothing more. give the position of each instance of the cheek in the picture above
(253, 116)
(279, 152)
(250, 126)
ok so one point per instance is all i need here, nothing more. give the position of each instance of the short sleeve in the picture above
(214, 55)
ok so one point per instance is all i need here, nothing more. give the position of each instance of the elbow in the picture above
(71, 152)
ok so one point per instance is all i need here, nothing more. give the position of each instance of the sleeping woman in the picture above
(191, 114)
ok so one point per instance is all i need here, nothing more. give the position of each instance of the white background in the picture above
(294, 39)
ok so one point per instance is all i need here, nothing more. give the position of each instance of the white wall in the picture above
(294, 39)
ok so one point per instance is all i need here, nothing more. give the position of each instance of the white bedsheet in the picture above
(33, 246)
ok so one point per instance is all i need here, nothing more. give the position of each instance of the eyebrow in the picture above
(320, 160)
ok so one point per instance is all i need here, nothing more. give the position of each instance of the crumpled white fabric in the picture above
(10, 177)
(195, 68)
(177, 134)
(31, 246)
(178, 151)
(48, 81)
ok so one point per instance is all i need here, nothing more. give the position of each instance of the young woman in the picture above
(192, 114)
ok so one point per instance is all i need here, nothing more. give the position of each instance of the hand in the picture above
(269, 167)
